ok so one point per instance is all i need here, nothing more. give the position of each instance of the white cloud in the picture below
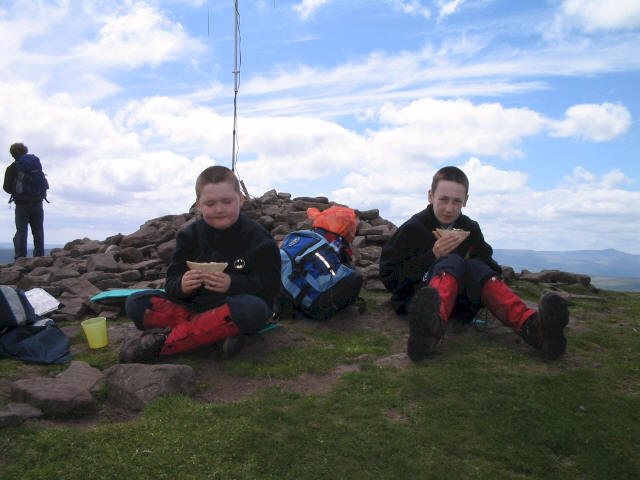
(412, 7)
(612, 179)
(448, 128)
(449, 7)
(307, 8)
(138, 37)
(596, 123)
(595, 15)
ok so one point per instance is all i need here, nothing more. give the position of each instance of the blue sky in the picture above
(361, 101)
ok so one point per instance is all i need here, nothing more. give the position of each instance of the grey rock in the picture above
(14, 414)
(312, 199)
(84, 376)
(9, 277)
(102, 262)
(379, 239)
(68, 392)
(269, 198)
(79, 287)
(130, 276)
(368, 214)
(64, 273)
(131, 255)
(133, 386)
(110, 283)
(556, 276)
(165, 250)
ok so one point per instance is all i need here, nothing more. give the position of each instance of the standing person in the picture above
(27, 185)
(202, 308)
(434, 280)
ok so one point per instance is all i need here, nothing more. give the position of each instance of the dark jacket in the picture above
(408, 254)
(251, 252)
(9, 178)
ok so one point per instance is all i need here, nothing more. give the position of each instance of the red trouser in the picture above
(496, 296)
(447, 287)
(505, 305)
(189, 330)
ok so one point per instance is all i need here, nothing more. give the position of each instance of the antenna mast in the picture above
(236, 73)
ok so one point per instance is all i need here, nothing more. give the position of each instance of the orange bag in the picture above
(340, 220)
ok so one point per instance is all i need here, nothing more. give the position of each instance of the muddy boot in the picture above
(146, 348)
(544, 330)
(231, 346)
(425, 327)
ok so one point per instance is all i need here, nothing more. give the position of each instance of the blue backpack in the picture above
(314, 280)
(31, 183)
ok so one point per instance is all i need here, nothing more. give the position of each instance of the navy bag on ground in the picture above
(314, 281)
(31, 184)
(15, 309)
(27, 337)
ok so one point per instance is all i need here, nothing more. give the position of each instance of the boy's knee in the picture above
(452, 264)
(135, 306)
(250, 313)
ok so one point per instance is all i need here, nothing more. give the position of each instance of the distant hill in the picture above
(603, 263)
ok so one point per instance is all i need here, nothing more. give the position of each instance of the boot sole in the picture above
(424, 324)
(554, 314)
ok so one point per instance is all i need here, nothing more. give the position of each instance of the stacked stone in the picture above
(84, 267)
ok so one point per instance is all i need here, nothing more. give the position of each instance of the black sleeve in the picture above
(9, 179)
(406, 257)
(185, 243)
(263, 279)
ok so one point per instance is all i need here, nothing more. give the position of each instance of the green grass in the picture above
(478, 410)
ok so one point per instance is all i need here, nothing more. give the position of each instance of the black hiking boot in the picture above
(425, 326)
(544, 330)
(232, 345)
(146, 348)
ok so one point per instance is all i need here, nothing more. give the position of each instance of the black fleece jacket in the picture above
(251, 252)
(408, 254)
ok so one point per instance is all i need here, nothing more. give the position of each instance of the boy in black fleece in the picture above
(201, 308)
(434, 280)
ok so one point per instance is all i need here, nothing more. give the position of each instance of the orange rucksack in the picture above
(336, 219)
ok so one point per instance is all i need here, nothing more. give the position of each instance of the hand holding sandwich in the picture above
(448, 241)
(208, 275)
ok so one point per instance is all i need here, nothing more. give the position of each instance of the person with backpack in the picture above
(27, 184)
(438, 266)
(201, 307)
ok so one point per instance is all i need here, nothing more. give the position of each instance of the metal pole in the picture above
(235, 88)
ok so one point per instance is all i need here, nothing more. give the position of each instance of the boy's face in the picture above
(219, 204)
(448, 200)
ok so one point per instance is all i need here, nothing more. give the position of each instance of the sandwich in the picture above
(207, 267)
(441, 232)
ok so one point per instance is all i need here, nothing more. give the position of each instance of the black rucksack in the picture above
(30, 181)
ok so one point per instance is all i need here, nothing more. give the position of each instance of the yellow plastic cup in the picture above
(96, 331)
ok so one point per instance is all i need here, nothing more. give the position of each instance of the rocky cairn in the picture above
(84, 267)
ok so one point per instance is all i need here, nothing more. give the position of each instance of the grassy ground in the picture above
(484, 408)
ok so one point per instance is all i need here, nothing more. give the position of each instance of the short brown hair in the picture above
(453, 174)
(17, 150)
(216, 174)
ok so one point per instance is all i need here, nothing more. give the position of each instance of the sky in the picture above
(361, 101)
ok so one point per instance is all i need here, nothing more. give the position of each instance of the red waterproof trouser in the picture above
(505, 305)
(189, 330)
(447, 287)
